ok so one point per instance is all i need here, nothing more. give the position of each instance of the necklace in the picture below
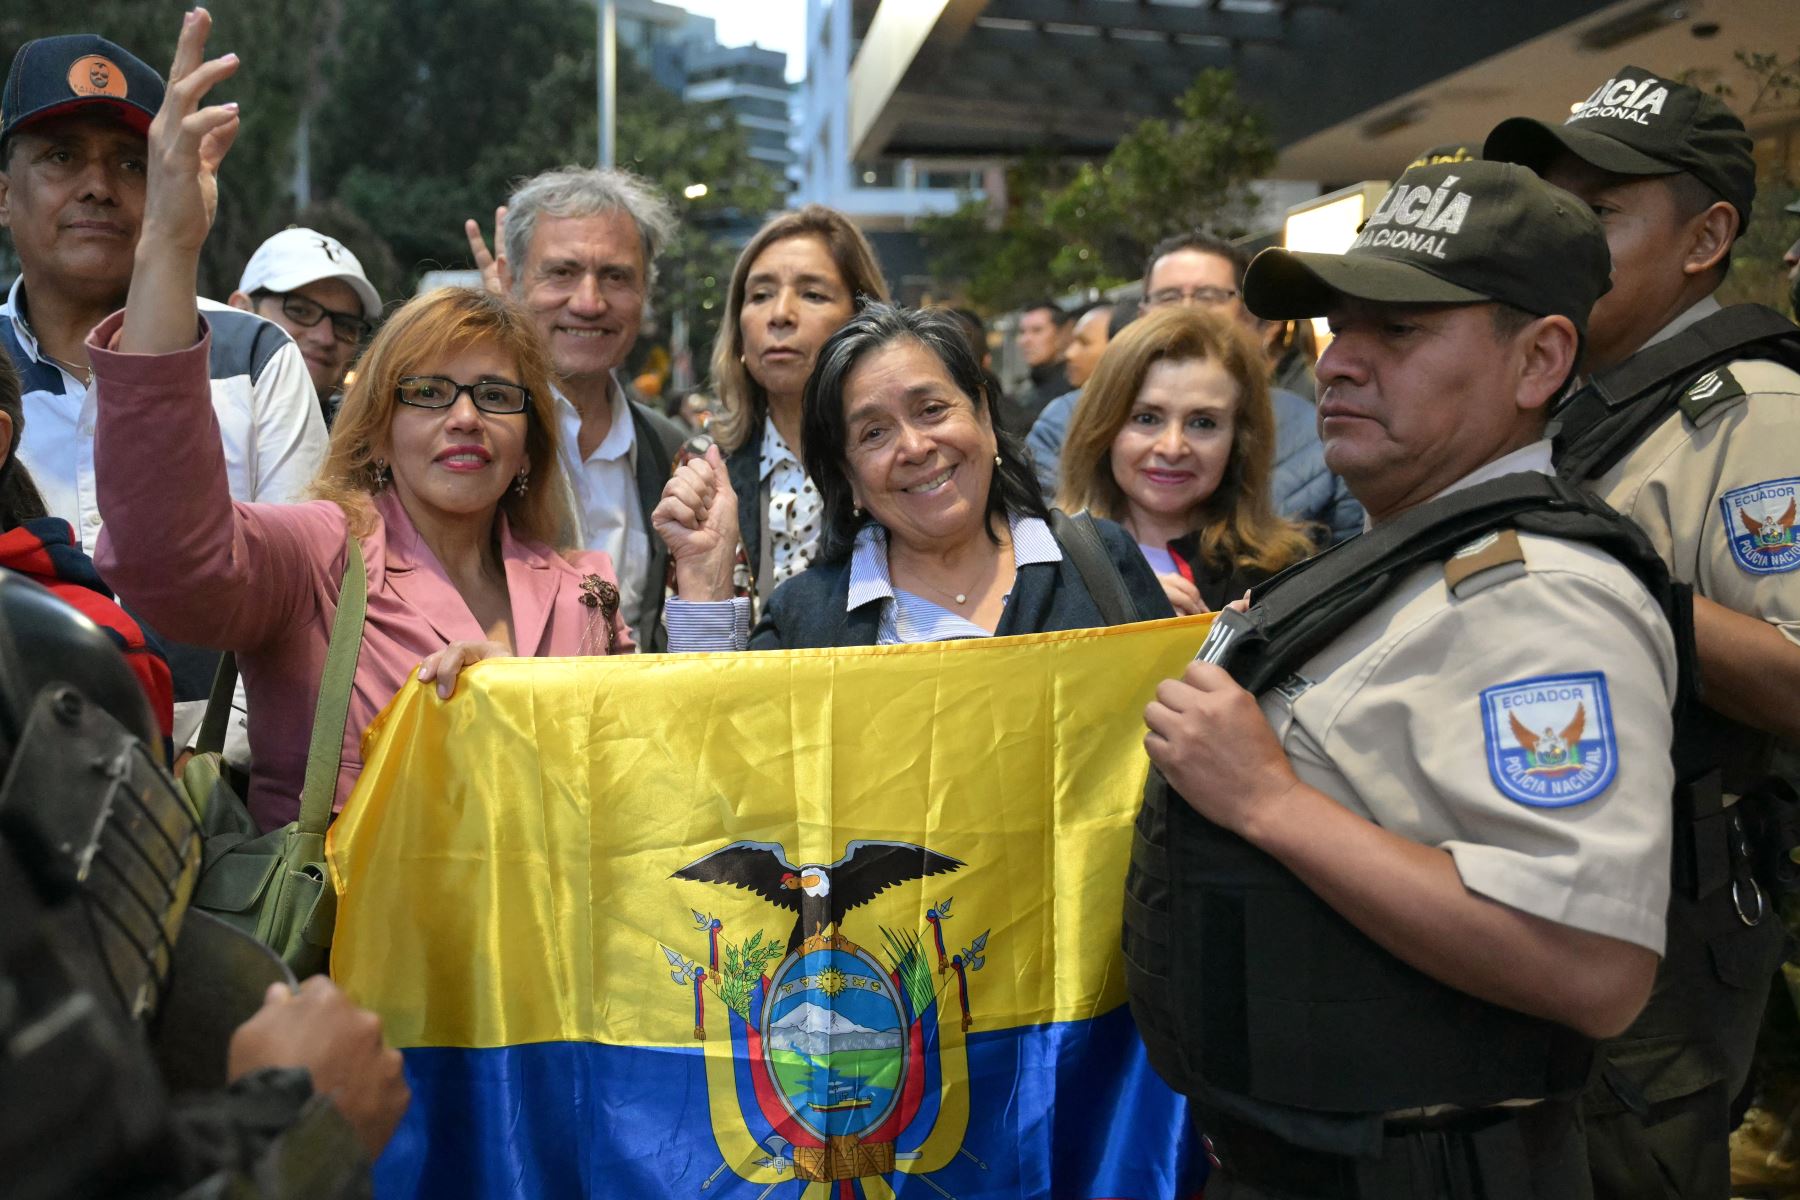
(960, 597)
(85, 374)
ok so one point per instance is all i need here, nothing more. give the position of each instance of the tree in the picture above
(1006, 255)
(1758, 273)
(487, 93)
(1094, 225)
(422, 114)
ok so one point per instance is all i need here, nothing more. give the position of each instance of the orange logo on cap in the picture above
(97, 75)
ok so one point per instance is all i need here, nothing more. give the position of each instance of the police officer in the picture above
(1407, 880)
(1688, 425)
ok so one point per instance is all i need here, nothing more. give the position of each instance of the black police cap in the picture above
(1639, 123)
(1453, 233)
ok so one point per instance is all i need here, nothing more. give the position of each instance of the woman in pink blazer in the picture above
(442, 464)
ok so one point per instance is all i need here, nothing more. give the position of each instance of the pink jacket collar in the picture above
(401, 560)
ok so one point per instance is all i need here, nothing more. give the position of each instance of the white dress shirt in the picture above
(267, 411)
(608, 514)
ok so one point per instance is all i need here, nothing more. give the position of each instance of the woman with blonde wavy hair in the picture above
(440, 472)
(1174, 438)
(802, 276)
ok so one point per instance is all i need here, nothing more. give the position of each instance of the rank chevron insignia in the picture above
(839, 1070)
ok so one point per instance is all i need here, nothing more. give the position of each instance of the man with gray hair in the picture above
(578, 248)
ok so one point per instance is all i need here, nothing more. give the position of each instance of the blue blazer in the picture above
(808, 610)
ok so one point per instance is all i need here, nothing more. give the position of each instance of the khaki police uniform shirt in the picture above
(1718, 499)
(1408, 719)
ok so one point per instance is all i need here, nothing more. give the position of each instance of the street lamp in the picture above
(607, 78)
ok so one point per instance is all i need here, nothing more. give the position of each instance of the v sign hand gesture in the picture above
(187, 143)
(495, 268)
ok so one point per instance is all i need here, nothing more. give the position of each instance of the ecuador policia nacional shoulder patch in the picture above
(1759, 521)
(1550, 740)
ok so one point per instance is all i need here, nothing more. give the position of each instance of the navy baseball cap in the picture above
(1453, 233)
(1639, 123)
(78, 72)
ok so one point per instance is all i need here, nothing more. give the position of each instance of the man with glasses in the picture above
(313, 286)
(74, 115)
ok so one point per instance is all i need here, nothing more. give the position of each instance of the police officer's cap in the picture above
(78, 72)
(1445, 152)
(1453, 233)
(1638, 123)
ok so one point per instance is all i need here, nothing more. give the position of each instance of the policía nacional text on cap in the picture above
(1451, 233)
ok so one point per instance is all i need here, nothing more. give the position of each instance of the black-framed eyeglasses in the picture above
(346, 327)
(440, 391)
(1209, 297)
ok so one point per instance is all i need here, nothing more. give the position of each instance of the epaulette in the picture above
(1713, 390)
(1492, 558)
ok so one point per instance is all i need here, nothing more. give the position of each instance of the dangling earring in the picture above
(523, 483)
(997, 461)
(384, 475)
(856, 512)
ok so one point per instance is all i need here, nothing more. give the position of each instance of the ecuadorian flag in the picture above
(814, 924)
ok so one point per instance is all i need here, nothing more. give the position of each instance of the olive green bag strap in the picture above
(326, 752)
(211, 739)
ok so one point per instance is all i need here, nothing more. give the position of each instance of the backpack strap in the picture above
(1105, 586)
(1616, 409)
(325, 753)
(213, 724)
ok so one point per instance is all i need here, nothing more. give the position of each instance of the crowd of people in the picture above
(1462, 869)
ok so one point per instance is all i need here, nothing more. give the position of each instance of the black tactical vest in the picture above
(1254, 997)
(1618, 408)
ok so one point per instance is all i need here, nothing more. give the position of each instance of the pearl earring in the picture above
(997, 461)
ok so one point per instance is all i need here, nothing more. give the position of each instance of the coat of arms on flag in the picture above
(846, 1058)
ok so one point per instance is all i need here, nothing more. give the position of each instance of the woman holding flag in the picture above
(440, 475)
(933, 525)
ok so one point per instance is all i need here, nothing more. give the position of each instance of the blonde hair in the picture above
(414, 340)
(742, 402)
(1237, 524)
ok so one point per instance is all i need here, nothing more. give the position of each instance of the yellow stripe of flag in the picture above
(504, 865)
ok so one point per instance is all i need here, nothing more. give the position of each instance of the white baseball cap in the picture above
(296, 257)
